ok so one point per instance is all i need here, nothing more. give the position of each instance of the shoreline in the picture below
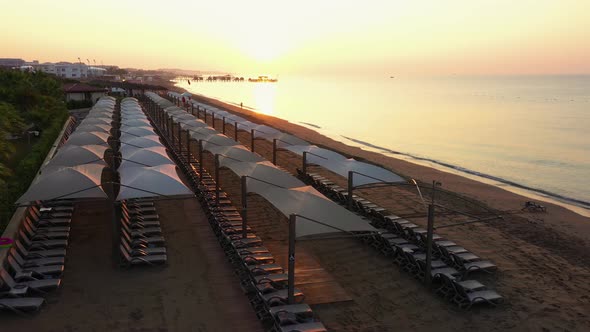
(557, 216)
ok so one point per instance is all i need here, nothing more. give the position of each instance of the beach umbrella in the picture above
(138, 131)
(238, 152)
(364, 173)
(129, 138)
(305, 202)
(218, 140)
(151, 182)
(190, 124)
(93, 127)
(200, 133)
(88, 138)
(262, 170)
(152, 156)
(317, 151)
(72, 155)
(136, 122)
(90, 121)
(137, 143)
(82, 181)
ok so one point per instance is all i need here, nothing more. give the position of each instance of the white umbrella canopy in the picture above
(238, 152)
(72, 155)
(333, 217)
(184, 124)
(152, 156)
(129, 117)
(94, 127)
(129, 109)
(174, 109)
(88, 137)
(261, 174)
(186, 94)
(82, 181)
(284, 139)
(136, 122)
(127, 138)
(139, 131)
(217, 140)
(151, 182)
(202, 132)
(182, 116)
(324, 153)
(368, 173)
(89, 121)
(129, 99)
(138, 143)
(99, 115)
(102, 110)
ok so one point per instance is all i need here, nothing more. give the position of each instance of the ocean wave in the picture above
(543, 192)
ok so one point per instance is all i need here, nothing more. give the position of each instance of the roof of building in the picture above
(81, 87)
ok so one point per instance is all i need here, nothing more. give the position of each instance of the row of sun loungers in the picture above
(405, 242)
(35, 262)
(264, 281)
(142, 242)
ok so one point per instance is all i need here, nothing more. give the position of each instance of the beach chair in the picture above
(39, 272)
(33, 262)
(473, 265)
(448, 286)
(45, 228)
(142, 241)
(141, 232)
(40, 286)
(37, 214)
(143, 251)
(141, 259)
(257, 259)
(466, 299)
(41, 244)
(26, 254)
(22, 305)
(265, 269)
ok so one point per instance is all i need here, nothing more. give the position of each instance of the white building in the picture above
(71, 70)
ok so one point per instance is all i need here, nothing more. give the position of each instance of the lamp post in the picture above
(429, 234)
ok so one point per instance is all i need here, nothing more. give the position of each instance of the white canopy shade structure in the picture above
(72, 155)
(324, 153)
(151, 182)
(284, 139)
(105, 121)
(137, 143)
(143, 141)
(93, 127)
(101, 111)
(238, 152)
(99, 115)
(136, 122)
(88, 138)
(217, 140)
(152, 156)
(139, 131)
(188, 124)
(182, 116)
(129, 117)
(333, 217)
(186, 94)
(82, 181)
(262, 170)
(173, 109)
(202, 132)
(364, 173)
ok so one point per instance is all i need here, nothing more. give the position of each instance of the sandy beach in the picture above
(543, 258)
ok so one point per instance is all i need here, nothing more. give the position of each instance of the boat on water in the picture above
(263, 79)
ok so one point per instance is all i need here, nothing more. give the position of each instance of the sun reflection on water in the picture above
(264, 97)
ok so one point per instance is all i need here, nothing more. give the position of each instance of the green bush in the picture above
(27, 98)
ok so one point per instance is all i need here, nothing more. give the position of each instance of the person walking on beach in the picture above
(241, 105)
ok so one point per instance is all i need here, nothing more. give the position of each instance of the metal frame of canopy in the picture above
(292, 232)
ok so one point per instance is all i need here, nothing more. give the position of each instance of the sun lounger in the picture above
(36, 261)
(265, 269)
(26, 254)
(45, 228)
(149, 241)
(257, 259)
(140, 260)
(39, 272)
(44, 244)
(467, 299)
(143, 251)
(22, 304)
(142, 231)
(41, 286)
(278, 297)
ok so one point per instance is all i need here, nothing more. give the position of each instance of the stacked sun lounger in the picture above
(263, 280)
(142, 242)
(35, 262)
(405, 242)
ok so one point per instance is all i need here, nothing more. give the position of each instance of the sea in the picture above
(527, 134)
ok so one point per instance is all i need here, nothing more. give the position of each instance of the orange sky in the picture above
(401, 37)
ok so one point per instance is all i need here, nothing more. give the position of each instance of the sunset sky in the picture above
(403, 37)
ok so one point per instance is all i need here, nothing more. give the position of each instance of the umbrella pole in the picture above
(217, 180)
(223, 125)
(236, 131)
(274, 151)
(252, 140)
(291, 273)
(244, 208)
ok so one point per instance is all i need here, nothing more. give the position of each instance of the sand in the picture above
(543, 258)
